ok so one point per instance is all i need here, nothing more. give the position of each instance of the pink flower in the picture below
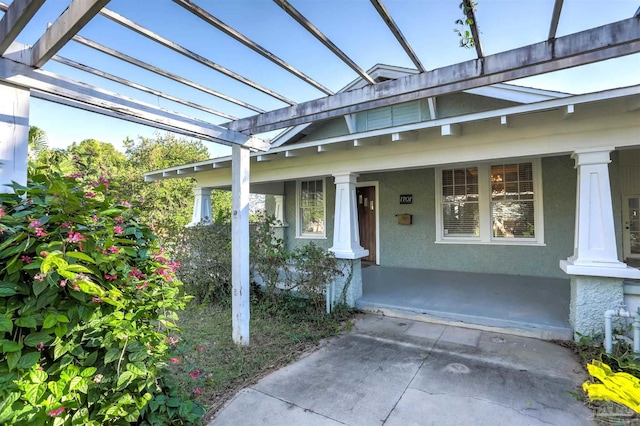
(136, 273)
(118, 230)
(174, 360)
(172, 340)
(76, 287)
(40, 232)
(56, 412)
(96, 300)
(1, 212)
(199, 348)
(40, 346)
(197, 391)
(75, 175)
(44, 254)
(65, 225)
(125, 203)
(34, 223)
(90, 194)
(111, 277)
(95, 218)
(39, 277)
(74, 237)
(142, 286)
(114, 249)
(26, 259)
(119, 219)
(195, 374)
(63, 283)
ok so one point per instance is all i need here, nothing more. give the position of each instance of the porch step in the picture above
(516, 328)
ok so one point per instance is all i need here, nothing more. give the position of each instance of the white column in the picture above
(201, 207)
(14, 135)
(279, 210)
(240, 243)
(346, 239)
(595, 252)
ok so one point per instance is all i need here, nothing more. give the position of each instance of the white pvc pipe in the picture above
(608, 333)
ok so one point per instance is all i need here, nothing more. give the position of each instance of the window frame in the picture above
(299, 233)
(484, 205)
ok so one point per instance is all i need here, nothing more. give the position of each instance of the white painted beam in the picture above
(404, 136)
(138, 63)
(127, 23)
(433, 110)
(366, 142)
(291, 153)
(555, 18)
(17, 16)
(593, 45)
(313, 30)
(233, 33)
(76, 16)
(125, 82)
(240, 244)
(14, 135)
(451, 130)
(332, 147)
(346, 238)
(350, 119)
(568, 111)
(49, 86)
(266, 157)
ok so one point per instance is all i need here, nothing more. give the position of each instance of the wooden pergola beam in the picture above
(76, 16)
(236, 35)
(127, 23)
(49, 86)
(597, 44)
(555, 18)
(140, 64)
(16, 17)
(128, 83)
(471, 15)
(322, 38)
(393, 27)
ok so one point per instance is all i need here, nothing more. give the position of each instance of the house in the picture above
(501, 179)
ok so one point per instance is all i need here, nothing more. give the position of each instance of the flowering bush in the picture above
(87, 302)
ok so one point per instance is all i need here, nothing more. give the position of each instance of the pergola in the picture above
(22, 77)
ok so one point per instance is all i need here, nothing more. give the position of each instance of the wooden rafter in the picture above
(555, 18)
(127, 23)
(133, 61)
(128, 83)
(597, 44)
(16, 17)
(76, 16)
(233, 33)
(295, 14)
(393, 27)
(473, 25)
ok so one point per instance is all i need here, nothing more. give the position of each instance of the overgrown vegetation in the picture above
(87, 309)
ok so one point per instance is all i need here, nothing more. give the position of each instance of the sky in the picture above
(353, 25)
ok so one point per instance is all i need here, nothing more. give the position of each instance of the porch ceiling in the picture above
(138, 35)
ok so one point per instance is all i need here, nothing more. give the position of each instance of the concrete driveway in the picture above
(400, 372)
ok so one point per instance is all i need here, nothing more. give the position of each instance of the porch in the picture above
(521, 305)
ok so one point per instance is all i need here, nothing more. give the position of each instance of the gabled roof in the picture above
(384, 72)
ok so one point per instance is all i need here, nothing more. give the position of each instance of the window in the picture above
(311, 209)
(490, 203)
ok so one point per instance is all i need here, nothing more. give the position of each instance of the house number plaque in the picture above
(406, 198)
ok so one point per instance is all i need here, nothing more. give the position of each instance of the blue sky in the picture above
(353, 25)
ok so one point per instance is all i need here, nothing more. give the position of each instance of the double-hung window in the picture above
(311, 208)
(490, 203)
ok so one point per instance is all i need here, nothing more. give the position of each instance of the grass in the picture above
(214, 368)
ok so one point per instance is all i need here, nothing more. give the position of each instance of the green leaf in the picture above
(10, 346)
(8, 289)
(90, 288)
(88, 372)
(29, 360)
(75, 383)
(38, 376)
(53, 259)
(59, 349)
(12, 359)
(91, 359)
(124, 379)
(61, 330)
(39, 287)
(34, 339)
(8, 401)
(50, 321)
(27, 322)
(6, 325)
(62, 318)
(111, 355)
(136, 369)
(78, 268)
(81, 256)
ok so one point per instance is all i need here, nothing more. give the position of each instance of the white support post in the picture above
(201, 207)
(346, 239)
(14, 136)
(595, 251)
(240, 244)
(279, 210)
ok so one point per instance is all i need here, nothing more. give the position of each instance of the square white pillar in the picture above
(279, 211)
(14, 135)
(595, 252)
(240, 244)
(346, 238)
(201, 207)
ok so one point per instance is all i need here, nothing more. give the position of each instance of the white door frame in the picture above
(377, 186)
(626, 234)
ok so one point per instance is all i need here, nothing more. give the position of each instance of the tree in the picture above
(97, 160)
(37, 142)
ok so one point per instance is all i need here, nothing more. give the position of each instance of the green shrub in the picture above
(204, 251)
(87, 310)
(269, 258)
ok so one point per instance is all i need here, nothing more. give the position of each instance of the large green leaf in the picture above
(111, 355)
(12, 359)
(27, 322)
(6, 325)
(81, 256)
(53, 259)
(28, 360)
(34, 339)
(90, 288)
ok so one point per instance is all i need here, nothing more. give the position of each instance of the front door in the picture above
(631, 231)
(366, 196)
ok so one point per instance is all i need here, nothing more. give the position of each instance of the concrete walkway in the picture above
(399, 372)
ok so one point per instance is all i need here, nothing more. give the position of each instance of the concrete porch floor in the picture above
(520, 305)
